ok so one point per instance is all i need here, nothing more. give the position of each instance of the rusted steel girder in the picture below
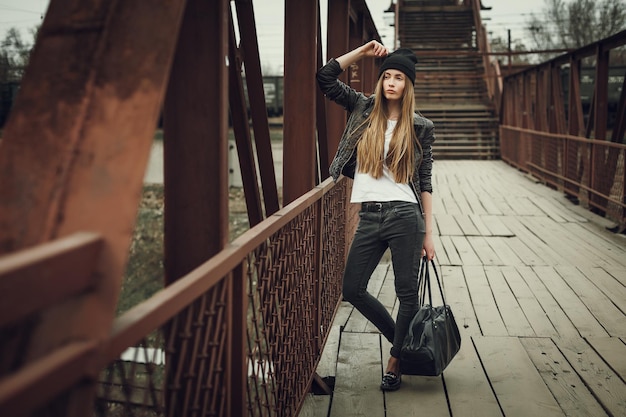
(249, 51)
(195, 129)
(338, 28)
(196, 216)
(75, 149)
(241, 129)
(299, 160)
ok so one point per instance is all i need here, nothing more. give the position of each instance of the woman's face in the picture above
(393, 84)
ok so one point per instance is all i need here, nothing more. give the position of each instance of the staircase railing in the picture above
(493, 76)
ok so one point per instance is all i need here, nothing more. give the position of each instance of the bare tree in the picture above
(574, 24)
(499, 44)
(14, 55)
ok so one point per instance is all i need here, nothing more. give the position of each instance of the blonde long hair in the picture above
(401, 155)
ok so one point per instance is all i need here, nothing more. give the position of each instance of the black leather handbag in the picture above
(433, 338)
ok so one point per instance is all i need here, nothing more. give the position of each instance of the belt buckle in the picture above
(379, 206)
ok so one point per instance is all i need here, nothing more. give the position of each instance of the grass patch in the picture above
(145, 272)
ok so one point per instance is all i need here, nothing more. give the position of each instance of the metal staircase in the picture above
(449, 87)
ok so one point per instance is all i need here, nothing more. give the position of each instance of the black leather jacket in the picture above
(359, 106)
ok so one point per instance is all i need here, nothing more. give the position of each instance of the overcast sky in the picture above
(505, 14)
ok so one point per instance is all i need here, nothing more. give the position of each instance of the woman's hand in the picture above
(428, 249)
(374, 49)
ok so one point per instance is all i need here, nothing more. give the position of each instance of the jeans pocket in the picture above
(406, 211)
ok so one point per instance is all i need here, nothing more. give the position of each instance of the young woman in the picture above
(387, 149)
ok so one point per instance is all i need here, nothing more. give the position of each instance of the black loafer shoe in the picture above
(391, 382)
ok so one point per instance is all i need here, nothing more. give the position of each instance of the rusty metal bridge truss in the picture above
(239, 326)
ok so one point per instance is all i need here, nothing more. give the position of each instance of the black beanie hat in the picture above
(402, 59)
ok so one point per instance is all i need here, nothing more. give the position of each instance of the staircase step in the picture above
(450, 88)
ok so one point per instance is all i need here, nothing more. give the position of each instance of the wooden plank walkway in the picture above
(538, 288)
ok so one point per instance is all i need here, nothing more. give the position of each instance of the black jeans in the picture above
(399, 226)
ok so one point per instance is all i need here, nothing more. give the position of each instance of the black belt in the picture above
(380, 206)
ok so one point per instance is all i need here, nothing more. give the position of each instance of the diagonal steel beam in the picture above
(76, 146)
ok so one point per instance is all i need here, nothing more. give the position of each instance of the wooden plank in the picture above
(615, 241)
(447, 225)
(428, 392)
(610, 317)
(610, 287)
(359, 372)
(467, 225)
(503, 251)
(440, 252)
(485, 306)
(315, 406)
(465, 251)
(496, 226)
(482, 228)
(617, 273)
(561, 379)
(502, 206)
(508, 307)
(586, 324)
(525, 253)
(576, 212)
(458, 297)
(484, 251)
(575, 252)
(605, 385)
(534, 313)
(599, 246)
(327, 365)
(467, 385)
(489, 203)
(554, 313)
(554, 236)
(613, 352)
(450, 204)
(459, 198)
(450, 251)
(550, 210)
(534, 241)
(474, 201)
(436, 231)
(515, 380)
(522, 205)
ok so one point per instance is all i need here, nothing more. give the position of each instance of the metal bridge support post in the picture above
(195, 140)
(337, 44)
(299, 148)
(258, 109)
(196, 175)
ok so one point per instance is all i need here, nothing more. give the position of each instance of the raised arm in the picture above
(370, 49)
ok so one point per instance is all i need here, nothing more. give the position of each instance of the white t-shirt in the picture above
(385, 188)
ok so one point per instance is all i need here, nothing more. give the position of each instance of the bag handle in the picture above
(425, 283)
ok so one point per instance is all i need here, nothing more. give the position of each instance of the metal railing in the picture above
(240, 335)
(592, 171)
(243, 333)
(493, 76)
(572, 140)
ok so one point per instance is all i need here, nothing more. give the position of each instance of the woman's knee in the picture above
(351, 293)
